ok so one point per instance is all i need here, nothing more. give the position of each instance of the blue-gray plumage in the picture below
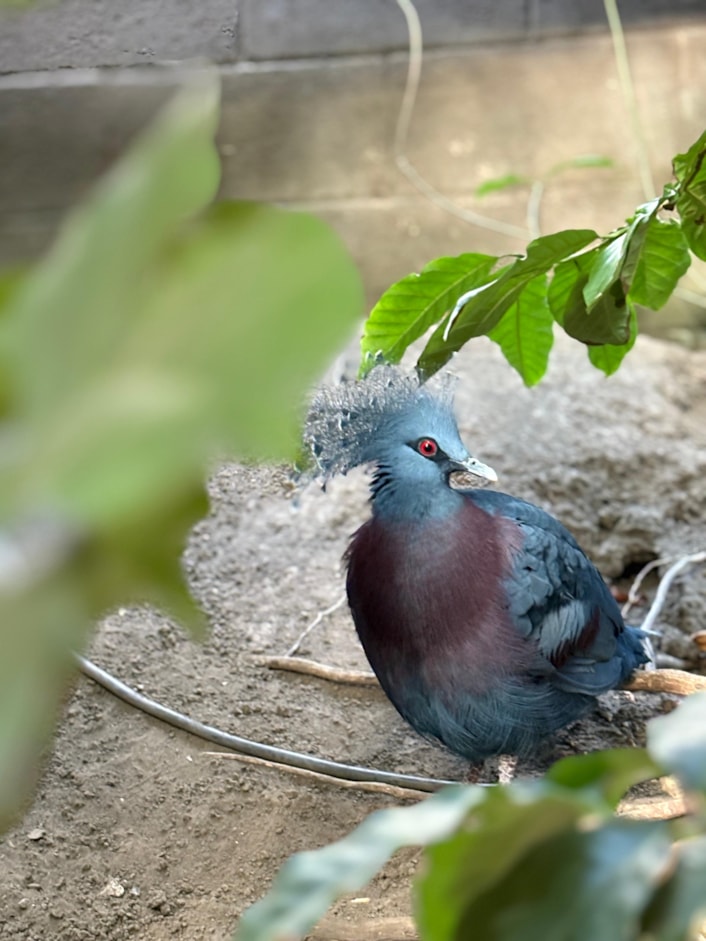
(485, 623)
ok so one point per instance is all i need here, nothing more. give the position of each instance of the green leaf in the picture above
(582, 161)
(486, 307)
(611, 772)
(685, 165)
(41, 620)
(690, 171)
(215, 356)
(81, 299)
(654, 266)
(10, 281)
(147, 343)
(678, 742)
(605, 269)
(126, 564)
(309, 882)
(501, 183)
(608, 357)
(524, 333)
(613, 266)
(607, 322)
(408, 308)
(679, 907)
(565, 293)
(563, 882)
(493, 840)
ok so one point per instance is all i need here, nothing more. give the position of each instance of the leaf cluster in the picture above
(160, 332)
(588, 284)
(536, 860)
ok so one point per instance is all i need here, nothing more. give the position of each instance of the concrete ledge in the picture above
(56, 34)
(273, 29)
(86, 33)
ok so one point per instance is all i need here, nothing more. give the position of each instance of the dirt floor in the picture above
(138, 830)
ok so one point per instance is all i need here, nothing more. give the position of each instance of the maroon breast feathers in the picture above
(428, 597)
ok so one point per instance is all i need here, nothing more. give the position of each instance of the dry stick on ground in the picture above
(322, 670)
(375, 787)
(371, 779)
(669, 681)
(675, 805)
(678, 682)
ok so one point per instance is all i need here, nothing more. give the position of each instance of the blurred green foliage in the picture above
(535, 860)
(158, 333)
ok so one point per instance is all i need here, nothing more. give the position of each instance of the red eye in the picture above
(427, 447)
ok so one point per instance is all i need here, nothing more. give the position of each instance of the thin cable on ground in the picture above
(676, 682)
(409, 98)
(245, 746)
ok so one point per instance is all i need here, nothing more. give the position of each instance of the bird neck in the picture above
(397, 498)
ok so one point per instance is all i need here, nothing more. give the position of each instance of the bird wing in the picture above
(557, 597)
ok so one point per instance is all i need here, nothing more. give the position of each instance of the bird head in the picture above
(389, 420)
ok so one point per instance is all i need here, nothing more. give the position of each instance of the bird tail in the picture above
(638, 650)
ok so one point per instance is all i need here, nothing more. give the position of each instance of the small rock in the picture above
(36, 834)
(112, 889)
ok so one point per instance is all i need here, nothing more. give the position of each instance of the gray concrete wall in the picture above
(317, 131)
(55, 34)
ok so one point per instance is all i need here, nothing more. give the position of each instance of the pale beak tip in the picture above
(482, 470)
(478, 469)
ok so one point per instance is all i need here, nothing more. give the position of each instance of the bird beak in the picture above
(472, 465)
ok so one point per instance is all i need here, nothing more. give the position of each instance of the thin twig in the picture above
(317, 620)
(409, 98)
(663, 587)
(628, 89)
(691, 297)
(534, 203)
(322, 670)
(633, 594)
(375, 787)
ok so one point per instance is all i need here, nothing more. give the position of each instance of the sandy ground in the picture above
(137, 831)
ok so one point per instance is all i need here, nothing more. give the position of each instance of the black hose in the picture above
(245, 746)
